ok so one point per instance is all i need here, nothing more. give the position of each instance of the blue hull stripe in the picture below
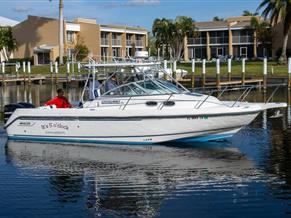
(57, 139)
(51, 139)
(206, 138)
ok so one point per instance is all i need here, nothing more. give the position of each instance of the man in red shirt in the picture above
(60, 101)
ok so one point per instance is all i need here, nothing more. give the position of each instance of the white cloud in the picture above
(128, 3)
(22, 9)
(143, 2)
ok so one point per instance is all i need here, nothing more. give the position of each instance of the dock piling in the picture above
(175, 69)
(265, 70)
(229, 69)
(51, 71)
(165, 64)
(68, 72)
(193, 74)
(3, 72)
(218, 73)
(56, 72)
(203, 72)
(24, 71)
(289, 74)
(165, 69)
(79, 68)
(17, 67)
(243, 71)
(29, 72)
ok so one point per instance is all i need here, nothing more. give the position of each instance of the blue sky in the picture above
(128, 12)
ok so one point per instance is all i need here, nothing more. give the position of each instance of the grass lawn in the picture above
(40, 70)
(254, 69)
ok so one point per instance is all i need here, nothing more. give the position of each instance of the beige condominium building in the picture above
(37, 37)
(232, 37)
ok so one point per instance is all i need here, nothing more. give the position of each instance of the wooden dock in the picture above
(237, 82)
(17, 80)
(226, 83)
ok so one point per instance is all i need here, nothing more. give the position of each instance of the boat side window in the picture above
(170, 86)
(126, 90)
(151, 87)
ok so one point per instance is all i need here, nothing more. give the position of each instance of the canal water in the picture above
(248, 176)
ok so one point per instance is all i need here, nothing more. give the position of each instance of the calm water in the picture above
(247, 176)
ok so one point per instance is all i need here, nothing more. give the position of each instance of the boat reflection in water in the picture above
(131, 180)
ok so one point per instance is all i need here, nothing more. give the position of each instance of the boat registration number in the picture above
(197, 118)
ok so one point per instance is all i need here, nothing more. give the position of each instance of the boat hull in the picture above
(129, 130)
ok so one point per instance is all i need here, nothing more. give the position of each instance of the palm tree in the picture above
(216, 18)
(61, 32)
(7, 42)
(248, 13)
(262, 31)
(278, 11)
(161, 32)
(171, 34)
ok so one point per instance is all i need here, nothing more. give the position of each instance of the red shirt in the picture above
(60, 102)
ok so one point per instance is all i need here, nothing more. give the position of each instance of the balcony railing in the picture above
(128, 42)
(138, 42)
(197, 41)
(218, 40)
(242, 39)
(116, 42)
(104, 41)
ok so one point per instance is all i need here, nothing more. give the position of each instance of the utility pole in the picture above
(61, 32)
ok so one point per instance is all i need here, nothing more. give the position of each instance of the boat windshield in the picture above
(145, 87)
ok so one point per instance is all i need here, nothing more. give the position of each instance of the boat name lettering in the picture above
(111, 102)
(204, 117)
(54, 125)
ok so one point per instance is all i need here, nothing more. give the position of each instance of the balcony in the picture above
(138, 43)
(218, 40)
(116, 42)
(197, 41)
(128, 42)
(104, 41)
(242, 39)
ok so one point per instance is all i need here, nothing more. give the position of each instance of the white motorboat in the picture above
(141, 110)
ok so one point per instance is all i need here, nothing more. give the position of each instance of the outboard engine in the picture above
(10, 108)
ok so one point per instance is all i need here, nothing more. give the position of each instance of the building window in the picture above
(128, 40)
(70, 36)
(104, 54)
(116, 52)
(138, 40)
(197, 53)
(244, 52)
(116, 39)
(104, 38)
(218, 37)
(70, 54)
(220, 51)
